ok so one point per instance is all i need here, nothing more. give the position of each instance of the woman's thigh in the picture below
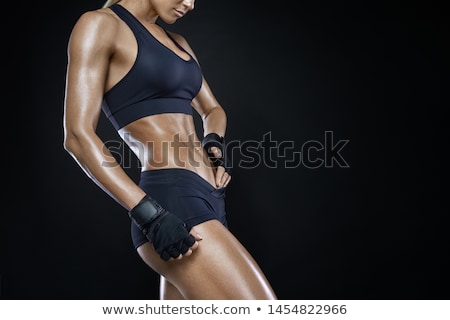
(168, 291)
(220, 268)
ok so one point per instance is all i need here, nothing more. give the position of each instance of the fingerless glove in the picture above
(168, 234)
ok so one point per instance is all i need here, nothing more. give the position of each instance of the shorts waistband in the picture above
(177, 176)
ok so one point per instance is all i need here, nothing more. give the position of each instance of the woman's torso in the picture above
(165, 140)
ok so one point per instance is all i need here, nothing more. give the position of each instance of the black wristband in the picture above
(145, 212)
(212, 139)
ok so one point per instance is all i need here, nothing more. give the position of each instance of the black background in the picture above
(370, 73)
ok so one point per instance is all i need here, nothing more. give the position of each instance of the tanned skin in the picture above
(101, 51)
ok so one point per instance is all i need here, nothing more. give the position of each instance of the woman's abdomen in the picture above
(168, 141)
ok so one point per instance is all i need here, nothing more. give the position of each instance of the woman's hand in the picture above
(223, 178)
(197, 238)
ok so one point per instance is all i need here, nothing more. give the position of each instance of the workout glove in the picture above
(168, 233)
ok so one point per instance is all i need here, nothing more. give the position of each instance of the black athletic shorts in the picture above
(183, 193)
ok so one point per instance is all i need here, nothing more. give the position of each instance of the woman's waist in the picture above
(163, 147)
(191, 157)
(173, 155)
(180, 178)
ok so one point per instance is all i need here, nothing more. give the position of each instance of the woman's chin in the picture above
(169, 21)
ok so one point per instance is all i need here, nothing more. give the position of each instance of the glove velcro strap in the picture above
(145, 212)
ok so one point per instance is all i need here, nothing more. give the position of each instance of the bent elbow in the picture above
(217, 111)
(70, 143)
(73, 142)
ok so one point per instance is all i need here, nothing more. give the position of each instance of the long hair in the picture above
(109, 3)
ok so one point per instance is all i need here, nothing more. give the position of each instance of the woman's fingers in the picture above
(223, 178)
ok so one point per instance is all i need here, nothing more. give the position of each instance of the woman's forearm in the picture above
(99, 164)
(215, 121)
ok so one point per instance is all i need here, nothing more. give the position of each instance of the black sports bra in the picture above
(159, 82)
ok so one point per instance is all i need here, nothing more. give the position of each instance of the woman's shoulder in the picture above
(100, 23)
(102, 20)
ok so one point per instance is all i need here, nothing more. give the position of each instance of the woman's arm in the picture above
(213, 115)
(90, 47)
